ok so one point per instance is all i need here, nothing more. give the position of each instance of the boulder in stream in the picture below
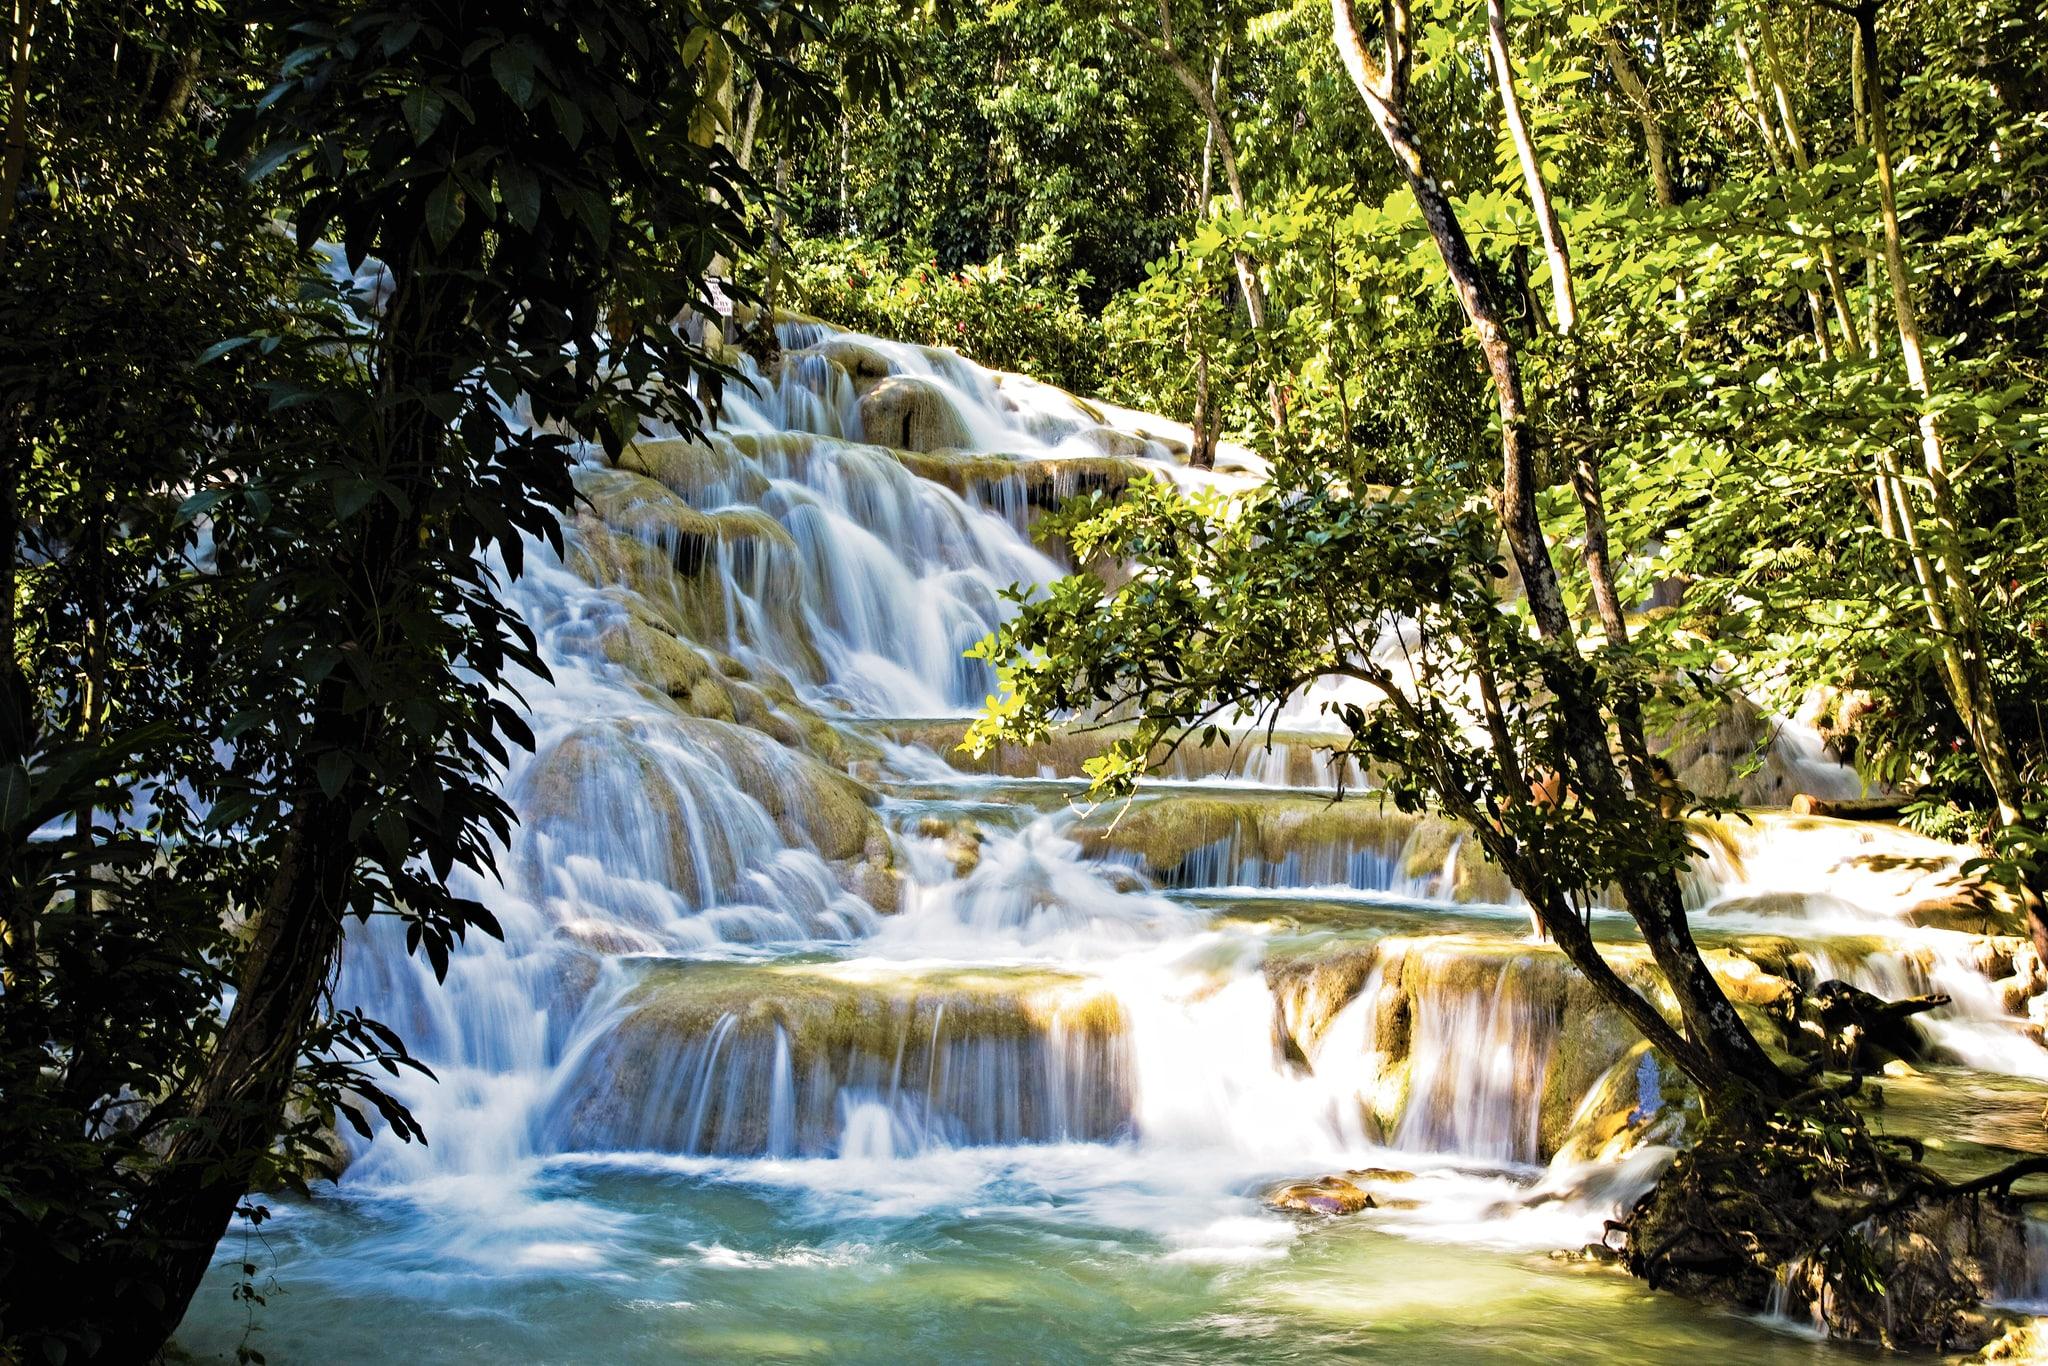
(1324, 1195)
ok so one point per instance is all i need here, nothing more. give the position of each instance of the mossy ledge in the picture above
(789, 1039)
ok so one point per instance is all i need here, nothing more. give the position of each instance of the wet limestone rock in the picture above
(2021, 1344)
(960, 841)
(737, 1058)
(1638, 1102)
(1061, 753)
(618, 778)
(1446, 1011)
(911, 414)
(813, 805)
(864, 364)
(629, 501)
(1327, 1195)
(876, 880)
(716, 687)
(1971, 908)
(1110, 441)
(638, 535)
(1162, 834)
(1034, 485)
(1440, 846)
(695, 470)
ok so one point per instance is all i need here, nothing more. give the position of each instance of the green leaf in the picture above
(444, 213)
(198, 505)
(14, 789)
(221, 348)
(512, 65)
(424, 109)
(519, 192)
(352, 497)
(332, 769)
(270, 158)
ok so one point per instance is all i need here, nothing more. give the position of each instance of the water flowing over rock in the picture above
(745, 1060)
(779, 956)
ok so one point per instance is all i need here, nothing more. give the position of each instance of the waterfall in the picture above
(772, 942)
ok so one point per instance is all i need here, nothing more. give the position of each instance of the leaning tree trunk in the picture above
(223, 1133)
(1585, 462)
(240, 1105)
(1725, 1046)
(1963, 644)
(1631, 83)
(1795, 142)
(1759, 110)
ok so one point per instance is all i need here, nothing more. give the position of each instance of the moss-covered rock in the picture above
(1034, 484)
(697, 471)
(1185, 838)
(813, 805)
(1971, 908)
(864, 364)
(1640, 1100)
(1110, 441)
(1296, 758)
(639, 535)
(715, 687)
(613, 772)
(1443, 849)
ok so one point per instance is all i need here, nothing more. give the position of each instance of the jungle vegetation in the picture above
(1536, 310)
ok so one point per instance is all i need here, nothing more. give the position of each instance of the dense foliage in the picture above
(1011, 315)
(1736, 359)
(261, 492)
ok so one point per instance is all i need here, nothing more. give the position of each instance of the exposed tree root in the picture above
(1801, 1207)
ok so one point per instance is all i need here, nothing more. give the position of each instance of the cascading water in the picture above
(803, 1038)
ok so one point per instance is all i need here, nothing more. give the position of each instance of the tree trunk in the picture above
(1218, 135)
(1209, 139)
(21, 34)
(1646, 115)
(750, 127)
(1202, 450)
(1725, 1047)
(1585, 464)
(845, 161)
(1760, 114)
(184, 82)
(1831, 266)
(1554, 918)
(1975, 697)
(20, 973)
(238, 1107)
(1563, 297)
